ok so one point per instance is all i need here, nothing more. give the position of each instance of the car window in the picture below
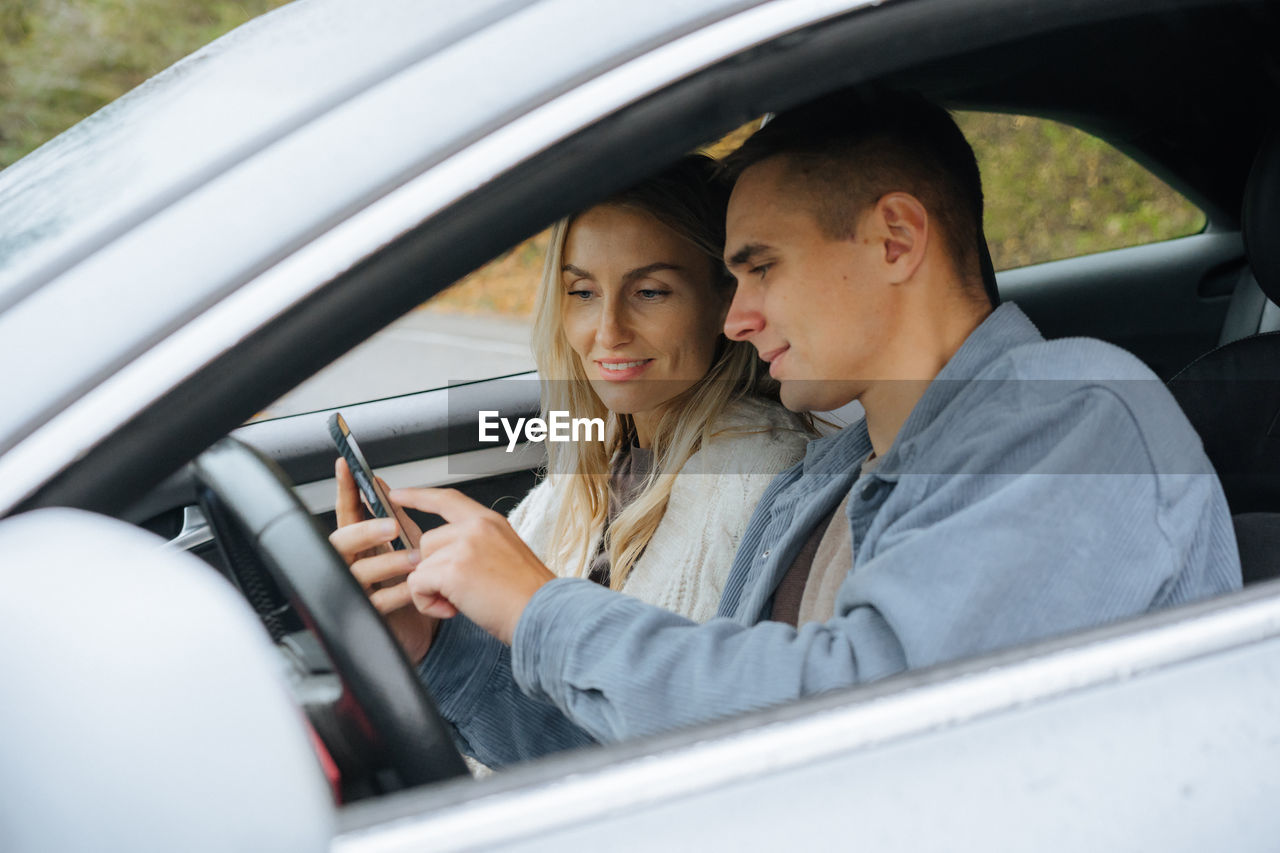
(477, 329)
(1052, 192)
(1055, 192)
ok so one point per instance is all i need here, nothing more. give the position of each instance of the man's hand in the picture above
(364, 545)
(475, 564)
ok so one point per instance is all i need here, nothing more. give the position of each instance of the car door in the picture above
(1164, 302)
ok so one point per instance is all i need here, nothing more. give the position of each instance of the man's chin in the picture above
(814, 395)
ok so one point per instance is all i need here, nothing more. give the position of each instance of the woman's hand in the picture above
(475, 564)
(365, 546)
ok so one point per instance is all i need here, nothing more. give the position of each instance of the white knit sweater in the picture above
(686, 563)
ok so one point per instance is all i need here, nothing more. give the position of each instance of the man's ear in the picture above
(905, 233)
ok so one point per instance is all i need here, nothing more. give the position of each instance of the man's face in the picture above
(818, 310)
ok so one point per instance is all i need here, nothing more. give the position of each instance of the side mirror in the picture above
(145, 708)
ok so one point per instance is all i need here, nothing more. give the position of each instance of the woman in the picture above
(628, 329)
(630, 312)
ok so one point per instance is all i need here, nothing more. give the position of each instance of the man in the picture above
(1000, 489)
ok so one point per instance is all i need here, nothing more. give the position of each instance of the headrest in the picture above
(1260, 215)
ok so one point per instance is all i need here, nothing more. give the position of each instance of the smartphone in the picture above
(374, 498)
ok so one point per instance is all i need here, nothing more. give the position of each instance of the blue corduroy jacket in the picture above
(1036, 488)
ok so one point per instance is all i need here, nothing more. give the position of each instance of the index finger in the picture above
(450, 504)
(347, 508)
(407, 524)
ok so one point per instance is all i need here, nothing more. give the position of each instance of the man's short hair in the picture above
(847, 150)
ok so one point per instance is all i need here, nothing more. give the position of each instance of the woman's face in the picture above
(641, 309)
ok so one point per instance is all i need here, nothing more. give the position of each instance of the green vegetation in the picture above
(61, 60)
(1052, 192)
(1055, 192)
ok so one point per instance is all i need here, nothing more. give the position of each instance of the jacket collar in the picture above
(1003, 329)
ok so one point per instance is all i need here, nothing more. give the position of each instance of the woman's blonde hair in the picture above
(689, 199)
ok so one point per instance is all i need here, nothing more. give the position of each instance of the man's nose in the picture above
(744, 318)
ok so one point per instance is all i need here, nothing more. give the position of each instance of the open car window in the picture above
(1052, 191)
(477, 329)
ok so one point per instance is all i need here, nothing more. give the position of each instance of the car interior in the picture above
(1191, 94)
(1230, 393)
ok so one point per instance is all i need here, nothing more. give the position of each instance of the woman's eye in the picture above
(580, 295)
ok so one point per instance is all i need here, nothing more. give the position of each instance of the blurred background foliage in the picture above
(61, 60)
(1052, 191)
(1055, 192)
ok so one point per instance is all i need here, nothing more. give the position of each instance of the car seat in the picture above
(1232, 394)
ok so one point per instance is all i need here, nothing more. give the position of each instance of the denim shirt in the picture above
(1036, 488)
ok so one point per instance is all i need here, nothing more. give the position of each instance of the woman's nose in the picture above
(614, 328)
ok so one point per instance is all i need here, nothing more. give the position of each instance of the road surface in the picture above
(422, 350)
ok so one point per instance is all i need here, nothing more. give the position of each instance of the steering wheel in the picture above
(273, 546)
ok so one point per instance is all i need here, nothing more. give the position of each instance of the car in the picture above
(174, 264)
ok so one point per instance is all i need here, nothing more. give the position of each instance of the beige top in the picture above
(807, 592)
(832, 563)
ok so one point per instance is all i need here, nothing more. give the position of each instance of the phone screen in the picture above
(375, 500)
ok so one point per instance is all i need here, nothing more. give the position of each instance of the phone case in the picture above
(363, 476)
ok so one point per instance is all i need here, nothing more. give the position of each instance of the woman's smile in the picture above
(618, 370)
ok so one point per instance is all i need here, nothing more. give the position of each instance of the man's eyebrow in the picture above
(745, 255)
